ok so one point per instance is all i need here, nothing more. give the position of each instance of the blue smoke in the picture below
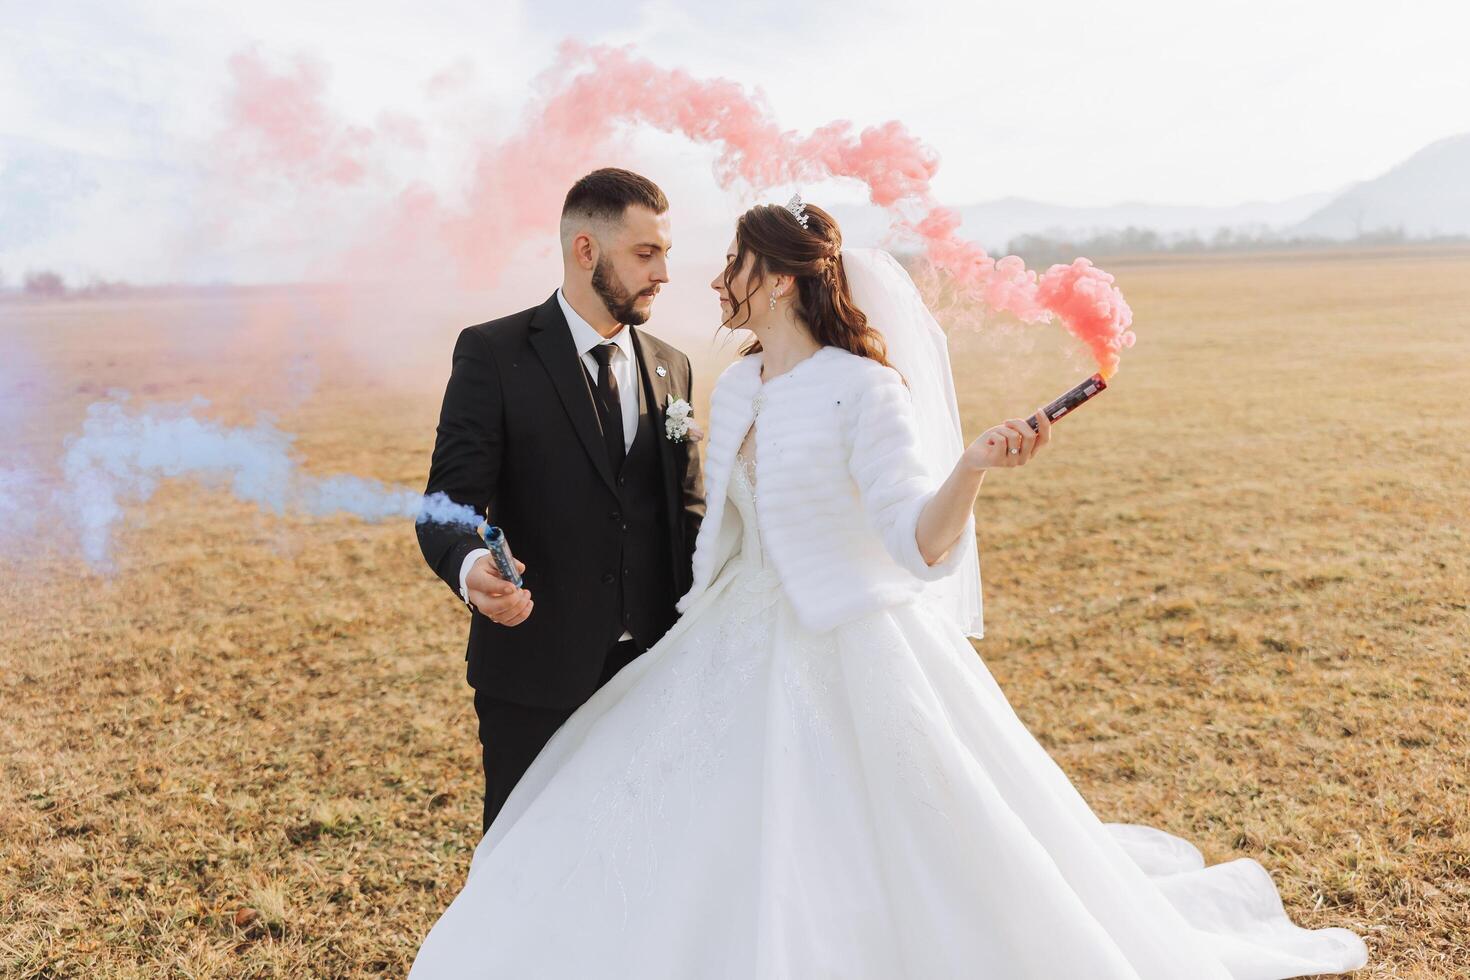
(120, 458)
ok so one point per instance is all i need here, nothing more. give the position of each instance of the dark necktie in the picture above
(609, 405)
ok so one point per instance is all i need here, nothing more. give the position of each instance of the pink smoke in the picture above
(596, 89)
(588, 101)
(291, 129)
(1085, 299)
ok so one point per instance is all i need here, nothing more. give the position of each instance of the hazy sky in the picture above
(107, 108)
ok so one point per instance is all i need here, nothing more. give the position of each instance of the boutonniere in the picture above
(677, 420)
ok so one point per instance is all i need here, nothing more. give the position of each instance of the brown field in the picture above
(1232, 601)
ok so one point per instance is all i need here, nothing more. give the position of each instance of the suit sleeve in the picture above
(467, 453)
(892, 481)
(692, 490)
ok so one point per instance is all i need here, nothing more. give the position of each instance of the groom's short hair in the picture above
(605, 195)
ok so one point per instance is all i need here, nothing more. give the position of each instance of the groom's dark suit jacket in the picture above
(519, 437)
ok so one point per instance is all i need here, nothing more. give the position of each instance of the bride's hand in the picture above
(1012, 443)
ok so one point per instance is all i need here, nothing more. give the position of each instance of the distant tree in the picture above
(96, 287)
(1041, 250)
(45, 285)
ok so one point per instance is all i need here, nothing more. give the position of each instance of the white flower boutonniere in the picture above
(677, 419)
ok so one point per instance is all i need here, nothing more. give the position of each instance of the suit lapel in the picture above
(552, 340)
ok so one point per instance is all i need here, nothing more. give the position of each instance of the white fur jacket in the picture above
(839, 485)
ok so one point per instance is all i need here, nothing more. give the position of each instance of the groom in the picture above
(553, 427)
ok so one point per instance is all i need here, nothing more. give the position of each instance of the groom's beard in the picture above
(614, 296)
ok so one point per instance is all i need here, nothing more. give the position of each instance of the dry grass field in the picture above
(1232, 602)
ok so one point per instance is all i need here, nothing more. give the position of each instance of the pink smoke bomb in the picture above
(1071, 400)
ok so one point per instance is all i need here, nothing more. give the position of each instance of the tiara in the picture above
(797, 208)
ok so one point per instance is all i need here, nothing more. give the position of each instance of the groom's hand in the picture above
(493, 596)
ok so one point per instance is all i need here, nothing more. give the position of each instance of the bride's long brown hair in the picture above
(812, 256)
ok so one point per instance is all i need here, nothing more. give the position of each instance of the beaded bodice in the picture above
(742, 494)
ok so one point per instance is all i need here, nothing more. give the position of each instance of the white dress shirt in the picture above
(624, 363)
(624, 367)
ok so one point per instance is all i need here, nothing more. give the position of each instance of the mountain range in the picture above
(1425, 196)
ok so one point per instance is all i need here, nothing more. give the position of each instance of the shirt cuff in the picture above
(464, 571)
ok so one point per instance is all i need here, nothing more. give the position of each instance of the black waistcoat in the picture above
(643, 567)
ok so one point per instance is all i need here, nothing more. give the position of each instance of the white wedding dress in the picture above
(750, 799)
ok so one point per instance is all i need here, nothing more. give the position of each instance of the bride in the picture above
(812, 775)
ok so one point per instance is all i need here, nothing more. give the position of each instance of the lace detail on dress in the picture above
(745, 458)
(743, 494)
(809, 677)
(755, 570)
(746, 468)
(906, 726)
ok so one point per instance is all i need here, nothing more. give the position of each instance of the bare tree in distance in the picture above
(44, 285)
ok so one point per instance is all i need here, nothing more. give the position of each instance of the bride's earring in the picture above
(773, 301)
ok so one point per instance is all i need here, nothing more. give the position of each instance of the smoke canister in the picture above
(1071, 400)
(494, 539)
